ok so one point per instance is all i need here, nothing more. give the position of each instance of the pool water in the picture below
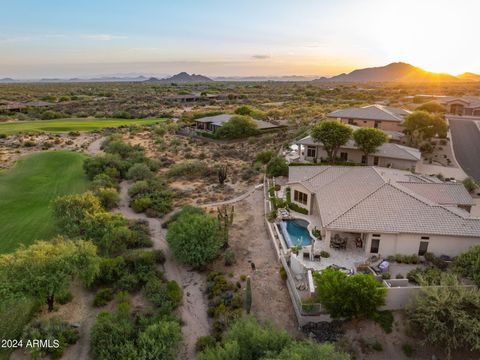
(295, 232)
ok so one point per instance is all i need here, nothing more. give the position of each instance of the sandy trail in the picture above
(193, 312)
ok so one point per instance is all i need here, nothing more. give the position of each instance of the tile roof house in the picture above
(390, 211)
(212, 123)
(374, 116)
(388, 155)
(465, 105)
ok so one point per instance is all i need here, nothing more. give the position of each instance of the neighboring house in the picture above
(466, 105)
(386, 211)
(388, 155)
(212, 123)
(186, 98)
(372, 116)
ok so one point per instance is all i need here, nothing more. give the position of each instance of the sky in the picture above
(60, 38)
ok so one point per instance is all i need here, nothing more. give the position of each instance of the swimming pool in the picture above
(295, 232)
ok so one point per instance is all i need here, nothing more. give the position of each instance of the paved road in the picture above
(466, 145)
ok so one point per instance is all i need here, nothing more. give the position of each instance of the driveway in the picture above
(466, 145)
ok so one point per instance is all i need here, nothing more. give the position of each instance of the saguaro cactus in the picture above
(225, 217)
(222, 174)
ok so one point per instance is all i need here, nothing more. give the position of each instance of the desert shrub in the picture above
(108, 197)
(384, 319)
(195, 239)
(113, 334)
(151, 196)
(324, 254)
(386, 276)
(140, 204)
(64, 297)
(167, 296)
(438, 310)
(111, 270)
(229, 257)
(110, 164)
(51, 328)
(283, 274)
(428, 276)
(237, 127)
(470, 184)
(103, 297)
(277, 166)
(358, 295)
(264, 156)
(139, 172)
(468, 264)
(204, 342)
(187, 169)
(298, 208)
(159, 341)
(140, 235)
(103, 181)
(247, 339)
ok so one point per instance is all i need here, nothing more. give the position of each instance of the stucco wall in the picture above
(408, 244)
(303, 189)
(385, 125)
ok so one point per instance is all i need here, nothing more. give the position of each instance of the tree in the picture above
(432, 107)
(470, 184)
(332, 134)
(421, 126)
(46, 268)
(249, 340)
(448, 315)
(358, 295)
(244, 110)
(159, 341)
(277, 166)
(238, 127)
(369, 140)
(70, 210)
(195, 239)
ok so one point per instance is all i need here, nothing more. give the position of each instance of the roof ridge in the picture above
(358, 202)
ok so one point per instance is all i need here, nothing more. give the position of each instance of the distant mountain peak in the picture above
(184, 77)
(396, 71)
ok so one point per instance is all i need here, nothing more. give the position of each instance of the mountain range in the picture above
(397, 72)
(394, 72)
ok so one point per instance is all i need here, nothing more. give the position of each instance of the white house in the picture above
(386, 211)
(388, 155)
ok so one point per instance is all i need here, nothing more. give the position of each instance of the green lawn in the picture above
(26, 191)
(65, 125)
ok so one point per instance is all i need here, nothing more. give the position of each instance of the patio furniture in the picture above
(338, 242)
(358, 243)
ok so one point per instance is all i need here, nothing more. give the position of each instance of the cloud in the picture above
(260, 56)
(6, 39)
(103, 37)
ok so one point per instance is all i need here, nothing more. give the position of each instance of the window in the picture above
(311, 151)
(374, 246)
(344, 156)
(300, 197)
(364, 160)
(351, 122)
(375, 160)
(422, 249)
(377, 124)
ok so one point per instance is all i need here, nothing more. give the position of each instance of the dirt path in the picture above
(194, 309)
(94, 147)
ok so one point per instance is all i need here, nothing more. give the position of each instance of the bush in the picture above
(283, 274)
(277, 166)
(384, 319)
(139, 172)
(447, 316)
(468, 264)
(264, 156)
(237, 127)
(51, 328)
(386, 276)
(108, 197)
(140, 204)
(470, 184)
(167, 296)
(187, 169)
(195, 239)
(324, 254)
(229, 258)
(298, 208)
(159, 341)
(103, 297)
(377, 346)
(429, 276)
(64, 297)
(349, 296)
(204, 342)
